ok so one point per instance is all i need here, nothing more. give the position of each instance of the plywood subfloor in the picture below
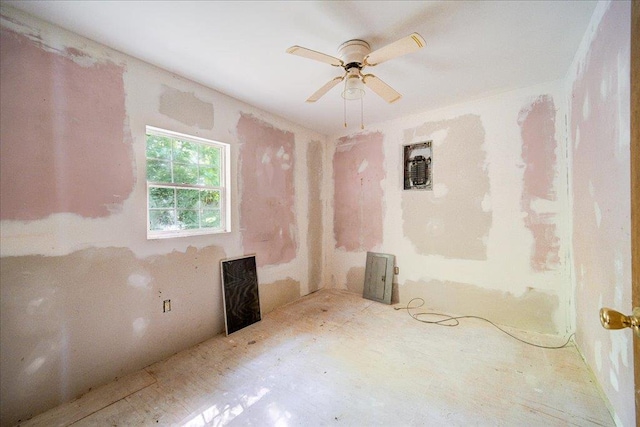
(333, 358)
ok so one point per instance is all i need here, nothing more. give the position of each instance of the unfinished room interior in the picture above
(319, 213)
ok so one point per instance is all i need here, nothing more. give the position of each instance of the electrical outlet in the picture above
(166, 305)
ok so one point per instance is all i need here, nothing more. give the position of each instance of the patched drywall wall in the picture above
(358, 169)
(61, 317)
(81, 287)
(315, 159)
(355, 279)
(278, 293)
(487, 230)
(532, 311)
(186, 108)
(600, 138)
(537, 124)
(504, 264)
(60, 136)
(267, 217)
(450, 221)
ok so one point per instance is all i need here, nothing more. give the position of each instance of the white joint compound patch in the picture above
(586, 109)
(363, 166)
(438, 137)
(597, 354)
(486, 203)
(440, 190)
(614, 380)
(139, 281)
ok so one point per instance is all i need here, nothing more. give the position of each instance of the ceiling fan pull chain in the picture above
(345, 105)
(361, 113)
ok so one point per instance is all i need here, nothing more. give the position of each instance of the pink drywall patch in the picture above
(600, 126)
(358, 171)
(267, 218)
(538, 128)
(62, 126)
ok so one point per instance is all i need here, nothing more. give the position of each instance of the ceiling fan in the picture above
(355, 55)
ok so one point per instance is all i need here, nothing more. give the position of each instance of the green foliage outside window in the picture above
(183, 184)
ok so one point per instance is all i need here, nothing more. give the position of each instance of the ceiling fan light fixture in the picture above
(353, 88)
(355, 55)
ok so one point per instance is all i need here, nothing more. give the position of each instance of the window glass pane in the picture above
(161, 197)
(162, 219)
(158, 147)
(185, 152)
(187, 199)
(210, 218)
(209, 176)
(188, 219)
(158, 171)
(185, 174)
(210, 199)
(185, 184)
(209, 155)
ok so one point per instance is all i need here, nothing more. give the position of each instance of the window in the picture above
(187, 185)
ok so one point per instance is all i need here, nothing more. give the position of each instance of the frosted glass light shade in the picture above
(354, 89)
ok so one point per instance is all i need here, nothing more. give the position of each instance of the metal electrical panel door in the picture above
(378, 277)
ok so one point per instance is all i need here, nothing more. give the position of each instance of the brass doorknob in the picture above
(612, 319)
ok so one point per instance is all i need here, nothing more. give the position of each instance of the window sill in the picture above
(183, 233)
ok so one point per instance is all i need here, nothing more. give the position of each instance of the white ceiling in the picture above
(473, 48)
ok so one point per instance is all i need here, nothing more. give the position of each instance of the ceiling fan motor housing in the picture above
(352, 53)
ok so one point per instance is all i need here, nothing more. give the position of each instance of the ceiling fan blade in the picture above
(411, 43)
(324, 89)
(383, 90)
(317, 56)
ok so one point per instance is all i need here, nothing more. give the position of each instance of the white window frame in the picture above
(223, 188)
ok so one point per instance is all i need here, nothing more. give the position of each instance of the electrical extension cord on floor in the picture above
(447, 321)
